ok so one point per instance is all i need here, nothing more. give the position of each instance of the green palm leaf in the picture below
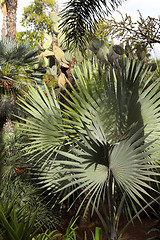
(112, 97)
(79, 18)
(90, 169)
(109, 124)
(18, 54)
(43, 124)
(149, 101)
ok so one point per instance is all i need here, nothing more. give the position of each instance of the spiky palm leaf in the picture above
(91, 168)
(79, 18)
(109, 142)
(13, 57)
(43, 124)
(115, 98)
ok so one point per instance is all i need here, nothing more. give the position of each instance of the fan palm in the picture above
(18, 54)
(102, 143)
(79, 18)
(13, 57)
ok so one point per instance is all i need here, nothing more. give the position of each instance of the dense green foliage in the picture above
(36, 19)
(16, 224)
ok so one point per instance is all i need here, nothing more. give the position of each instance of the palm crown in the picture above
(102, 142)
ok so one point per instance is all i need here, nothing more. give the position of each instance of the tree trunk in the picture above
(4, 11)
(4, 27)
(11, 18)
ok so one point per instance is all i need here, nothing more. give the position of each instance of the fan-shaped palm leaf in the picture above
(43, 124)
(18, 54)
(115, 98)
(112, 136)
(97, 170)
(12, 57)
(91, 167)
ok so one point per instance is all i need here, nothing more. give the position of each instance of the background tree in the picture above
(138, 35)
(36, 19)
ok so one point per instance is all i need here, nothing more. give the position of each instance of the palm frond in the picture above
(149, 101)
(110, 96)
(79, 18)
(88, 170)
(43, 124)
(18, 54)
(109, 132)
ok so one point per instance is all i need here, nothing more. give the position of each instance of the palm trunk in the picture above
(4, 11)
(11, 18)
(112, 233)
(4, 27)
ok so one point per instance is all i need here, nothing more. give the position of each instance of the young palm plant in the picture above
(17, 224)
(13, 58)
(103, 145)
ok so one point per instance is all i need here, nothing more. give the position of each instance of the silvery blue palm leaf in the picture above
(110, 124)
